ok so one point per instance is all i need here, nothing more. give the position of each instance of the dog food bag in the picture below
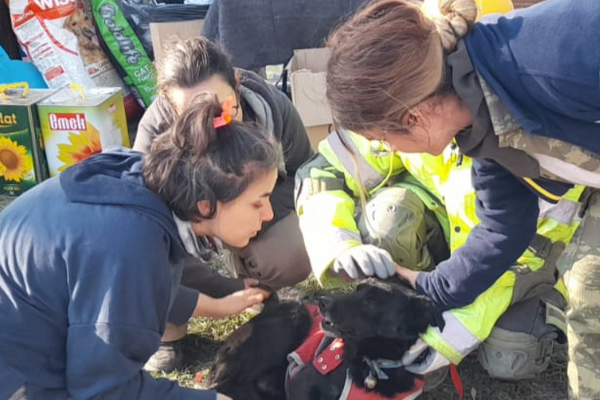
(61, 41)
(76, 124)
(22, 156)
(126, 49)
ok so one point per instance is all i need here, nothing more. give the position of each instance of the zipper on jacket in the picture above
(457, 155)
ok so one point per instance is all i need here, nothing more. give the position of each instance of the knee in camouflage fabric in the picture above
(396, 220)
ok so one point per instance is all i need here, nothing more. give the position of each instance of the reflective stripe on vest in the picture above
(318, 185)
(565, 211)
(557, 317)
(359, 169)
(456, 339)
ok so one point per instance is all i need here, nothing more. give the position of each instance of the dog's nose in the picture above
(324, 304)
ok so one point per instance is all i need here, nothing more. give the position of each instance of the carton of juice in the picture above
(77, 124)
(22, 157)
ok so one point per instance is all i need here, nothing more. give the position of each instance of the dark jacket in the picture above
(90, 261)
(266, 32)
(274, 107)
(542, 62)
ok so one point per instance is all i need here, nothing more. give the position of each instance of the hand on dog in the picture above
(408, 276)
(230, 305)
(238, 301)
(367, 260)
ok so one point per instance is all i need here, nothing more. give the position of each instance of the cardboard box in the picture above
(162, 33)
(317, 133)
(307, 80)
(76, 125)
(22, 156)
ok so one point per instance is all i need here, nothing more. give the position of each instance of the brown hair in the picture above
(190, 62)
(196, 161)
(389, 57)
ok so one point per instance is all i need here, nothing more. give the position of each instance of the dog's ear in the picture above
(426, 308)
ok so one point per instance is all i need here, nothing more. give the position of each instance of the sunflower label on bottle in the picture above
(75, 125)
(22, 157)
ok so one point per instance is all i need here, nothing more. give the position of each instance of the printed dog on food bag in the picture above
(349, 343)
(87, 41)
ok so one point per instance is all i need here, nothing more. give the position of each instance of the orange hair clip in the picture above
(225, 118)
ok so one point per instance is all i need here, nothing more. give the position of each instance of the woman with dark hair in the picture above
(276, 257)
(91, 260)
(521, 95)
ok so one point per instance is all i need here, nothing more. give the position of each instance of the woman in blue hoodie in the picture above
(520, 94)
(90, 261)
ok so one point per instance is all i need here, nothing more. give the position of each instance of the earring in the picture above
(380, 148)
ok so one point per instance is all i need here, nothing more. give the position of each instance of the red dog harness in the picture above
(316, 351)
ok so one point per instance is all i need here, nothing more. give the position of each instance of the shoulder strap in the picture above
(348, 154)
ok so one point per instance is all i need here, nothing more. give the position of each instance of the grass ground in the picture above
(206, 335)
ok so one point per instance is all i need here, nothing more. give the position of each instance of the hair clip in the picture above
(225, 118)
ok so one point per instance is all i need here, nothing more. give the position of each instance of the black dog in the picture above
(380, 320)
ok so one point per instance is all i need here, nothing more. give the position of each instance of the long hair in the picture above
(389, 57)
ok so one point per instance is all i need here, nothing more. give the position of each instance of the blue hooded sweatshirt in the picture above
(88, 267)
(543, 62)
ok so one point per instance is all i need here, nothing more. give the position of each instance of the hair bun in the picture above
(452, 19)
(193, 131)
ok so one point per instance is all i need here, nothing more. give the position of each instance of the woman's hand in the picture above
(237, 302)
(230, 305)
(364, 260)
(407, 275)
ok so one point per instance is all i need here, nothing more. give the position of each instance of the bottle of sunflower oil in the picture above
(77, 124)
(22, 157)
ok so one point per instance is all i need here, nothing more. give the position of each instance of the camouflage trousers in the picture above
(580, 267)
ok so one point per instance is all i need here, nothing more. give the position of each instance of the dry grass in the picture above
(205, 337)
